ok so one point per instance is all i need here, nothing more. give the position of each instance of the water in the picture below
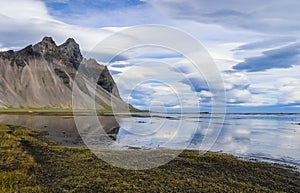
(62, 129)
(268, 137)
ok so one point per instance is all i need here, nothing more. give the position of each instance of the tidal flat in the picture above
(29, 163)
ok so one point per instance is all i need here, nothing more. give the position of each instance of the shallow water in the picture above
(63, 130)
(268, 137)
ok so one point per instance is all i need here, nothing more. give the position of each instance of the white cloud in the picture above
(29, 22)
(238, 96)
(235, 80)
(24, 9)
(205, 94)
(289, 90)
(277, 22)
(268, 16)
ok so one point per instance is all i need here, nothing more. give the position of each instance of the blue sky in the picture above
(92, 13)
(255, 44)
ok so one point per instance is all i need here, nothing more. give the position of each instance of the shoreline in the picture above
(34, 165)
(63, 130)
(133, 111)
(70, 136)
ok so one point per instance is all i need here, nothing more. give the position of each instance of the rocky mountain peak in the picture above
(46, 44)
(71, 50)
(47, 48)
(42, 76)
(48, 40)
(71, 41)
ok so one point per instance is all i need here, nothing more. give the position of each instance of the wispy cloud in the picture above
(289, 91)
(267, 43)
(284, 57)
(102, 13)
(253, 43)
(264, 16)
(30, 21)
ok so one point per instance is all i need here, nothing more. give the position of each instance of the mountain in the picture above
(43, 76)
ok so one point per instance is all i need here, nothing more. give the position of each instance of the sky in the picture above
(255, 45)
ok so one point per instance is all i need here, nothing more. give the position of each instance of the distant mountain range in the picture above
(42, 76)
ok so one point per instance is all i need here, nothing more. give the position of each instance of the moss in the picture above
(17, 165)
(28, 164)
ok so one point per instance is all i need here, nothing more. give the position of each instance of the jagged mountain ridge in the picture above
(42, 76)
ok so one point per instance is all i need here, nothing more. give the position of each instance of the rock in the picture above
(70, 49)
(100, 74)
(42, 76)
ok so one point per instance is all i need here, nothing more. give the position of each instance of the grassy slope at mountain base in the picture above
(29, 164)
(52, 111)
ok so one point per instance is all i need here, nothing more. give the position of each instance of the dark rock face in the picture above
(63, 75)
(106, 81)
(42, 75)
(72, 52)
(46, 49)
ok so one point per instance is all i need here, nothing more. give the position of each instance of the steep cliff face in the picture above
(42, 76)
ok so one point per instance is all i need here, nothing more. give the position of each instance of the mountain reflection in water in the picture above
(62, 129)
(269, 137)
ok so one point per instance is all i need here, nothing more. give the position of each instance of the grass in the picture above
(67, 111)
(17, 166)
(29, 164)
(48, 110)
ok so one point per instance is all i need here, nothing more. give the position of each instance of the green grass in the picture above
(66, 111)
(29, 164)
(17, 166)
(57, 112)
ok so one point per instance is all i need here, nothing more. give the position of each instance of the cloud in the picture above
(238, 96)
(237, 85)
(72, 6)
(107, 55)
(267, 43)
(289, 90)
(225, 13)
(196, 82)
(56, 1)
(235, 80)
(25, 9)
(205, 97)
(257, 37)
(30, 21)
(284, 57)
(103, 13)
(144, 84)
(155, 94)
(120, 64)
(264, 16)
(114, 72)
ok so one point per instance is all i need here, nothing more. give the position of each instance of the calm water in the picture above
(268, 137)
